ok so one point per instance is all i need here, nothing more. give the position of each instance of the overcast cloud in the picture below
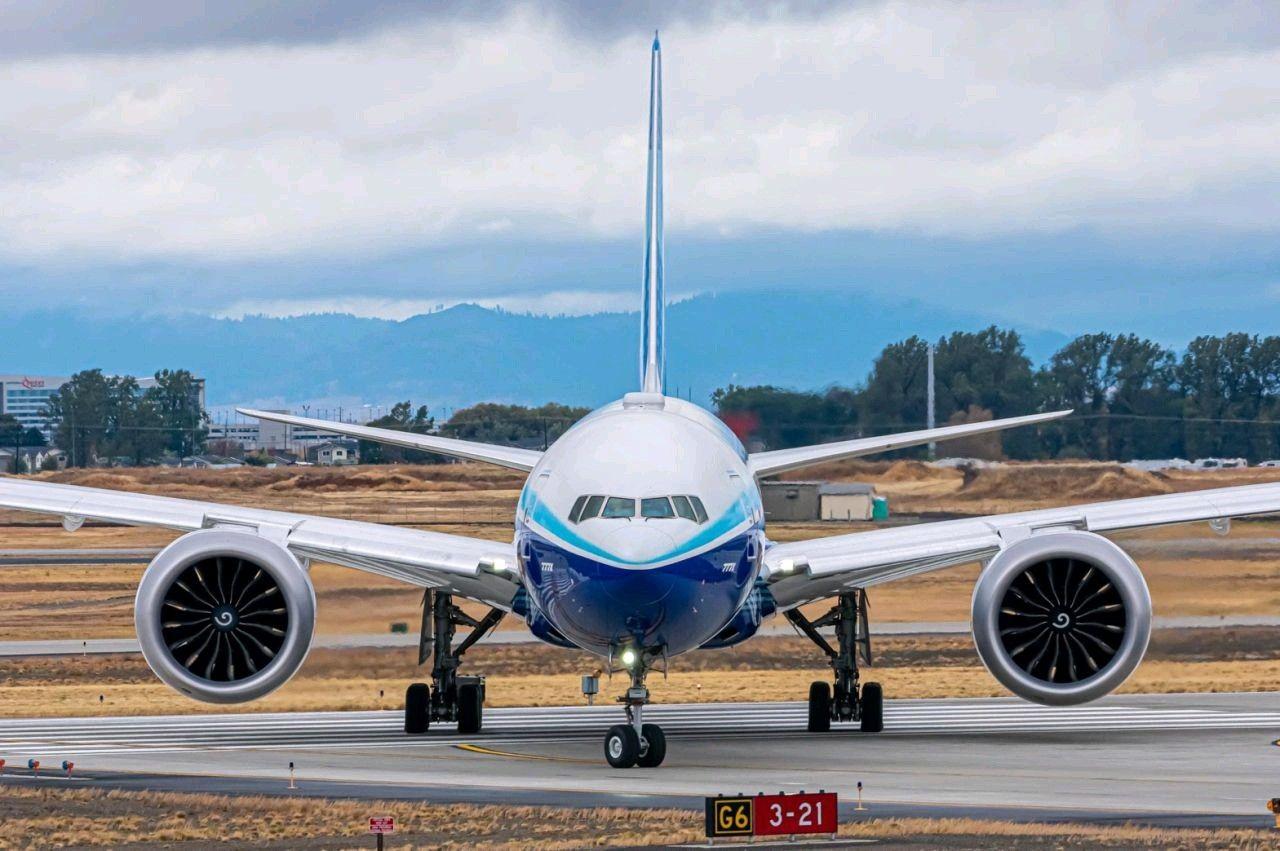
(266, 132)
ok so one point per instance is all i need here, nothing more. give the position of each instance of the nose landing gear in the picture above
(848, 700)
(635, 743)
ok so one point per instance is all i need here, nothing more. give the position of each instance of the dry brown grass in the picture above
(772, 668)
(44, 818)
(59, 817)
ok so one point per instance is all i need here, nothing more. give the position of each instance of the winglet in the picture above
(504, 456)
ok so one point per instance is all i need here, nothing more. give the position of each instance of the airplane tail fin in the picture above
(653, 354)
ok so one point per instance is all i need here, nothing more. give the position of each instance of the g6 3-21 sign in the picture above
(772, 815)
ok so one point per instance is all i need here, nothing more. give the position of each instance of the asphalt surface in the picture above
(1160, 759)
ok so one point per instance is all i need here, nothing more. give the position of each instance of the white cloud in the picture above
(971, 119)
(560, 303)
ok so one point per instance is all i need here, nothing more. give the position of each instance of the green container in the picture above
(880, 508)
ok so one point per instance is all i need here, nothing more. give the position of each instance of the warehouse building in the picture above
(806, 501)
(25, 398)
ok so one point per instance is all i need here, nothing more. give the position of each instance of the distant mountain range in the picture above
(468, 354)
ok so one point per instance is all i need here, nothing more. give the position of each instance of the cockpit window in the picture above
(585, 508)
(619, 506)
(683, 508)
(698, 509)
(656, 507)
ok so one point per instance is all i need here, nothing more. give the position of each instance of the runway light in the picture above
(628, 657)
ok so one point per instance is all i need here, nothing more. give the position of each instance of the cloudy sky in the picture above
(1073, 166)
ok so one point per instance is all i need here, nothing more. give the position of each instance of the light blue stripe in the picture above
(538, 512)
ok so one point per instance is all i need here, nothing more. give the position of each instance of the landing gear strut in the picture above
(449, 697)
(635, 743)
(847, 701)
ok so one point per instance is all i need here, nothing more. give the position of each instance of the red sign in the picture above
(32, 383)
(783, 815)
(382, 824)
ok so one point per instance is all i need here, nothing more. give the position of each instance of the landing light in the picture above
(786, 565)
(496, 565)
(628, 657)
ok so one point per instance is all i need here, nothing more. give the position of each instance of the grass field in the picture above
(47, 817)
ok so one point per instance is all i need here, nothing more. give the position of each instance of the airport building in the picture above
(25, 398)
(262, 436)
(804, 501)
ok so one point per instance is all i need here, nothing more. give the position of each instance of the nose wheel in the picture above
(635, 743)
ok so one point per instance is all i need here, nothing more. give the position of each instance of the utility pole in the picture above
(931, 419)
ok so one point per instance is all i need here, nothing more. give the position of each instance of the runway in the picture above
(1202, 759)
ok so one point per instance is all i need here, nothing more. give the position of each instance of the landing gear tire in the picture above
(872, 705)
(470, 708)
(819, 707)
(622, 746)
(653, 746)
(417, 708)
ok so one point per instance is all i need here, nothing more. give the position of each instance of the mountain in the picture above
(467, 353)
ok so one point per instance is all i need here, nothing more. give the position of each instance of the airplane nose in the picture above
(640, 542)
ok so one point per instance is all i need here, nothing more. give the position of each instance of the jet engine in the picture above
(225, 616)
(1061, 618)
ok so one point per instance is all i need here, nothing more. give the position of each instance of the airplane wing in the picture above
(780, 460)
(503, 456)
(476, 569)
(803, 571)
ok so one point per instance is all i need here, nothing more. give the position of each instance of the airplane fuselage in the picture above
(641, 528)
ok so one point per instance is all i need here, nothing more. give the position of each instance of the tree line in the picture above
(1132, 397)
(111, 418)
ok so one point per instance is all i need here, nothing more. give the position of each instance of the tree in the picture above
(1234, 379)
(13, 437)
(80, 407)
(401, 418)
(896, 391)
(777, 418)
(175, 399)
(514, 425)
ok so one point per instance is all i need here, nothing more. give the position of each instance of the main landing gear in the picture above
(449, 697)
(847, 701)
(635, 743)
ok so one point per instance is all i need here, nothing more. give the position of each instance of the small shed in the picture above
(795, 501)
(330, 454)
(846, 501)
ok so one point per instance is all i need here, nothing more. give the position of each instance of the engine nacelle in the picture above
(1061, 618)
(225, 616)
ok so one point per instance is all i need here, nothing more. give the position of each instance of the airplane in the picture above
(639, 535)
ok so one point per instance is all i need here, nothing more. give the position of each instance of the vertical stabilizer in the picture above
(653, 355)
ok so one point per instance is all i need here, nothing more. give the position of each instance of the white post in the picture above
(932, 420)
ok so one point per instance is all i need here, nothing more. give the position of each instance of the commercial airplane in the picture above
(639, 535)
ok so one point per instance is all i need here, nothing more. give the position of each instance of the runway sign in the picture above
(382, 824)
(772, 815)
(730, 817)
(784, 815)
